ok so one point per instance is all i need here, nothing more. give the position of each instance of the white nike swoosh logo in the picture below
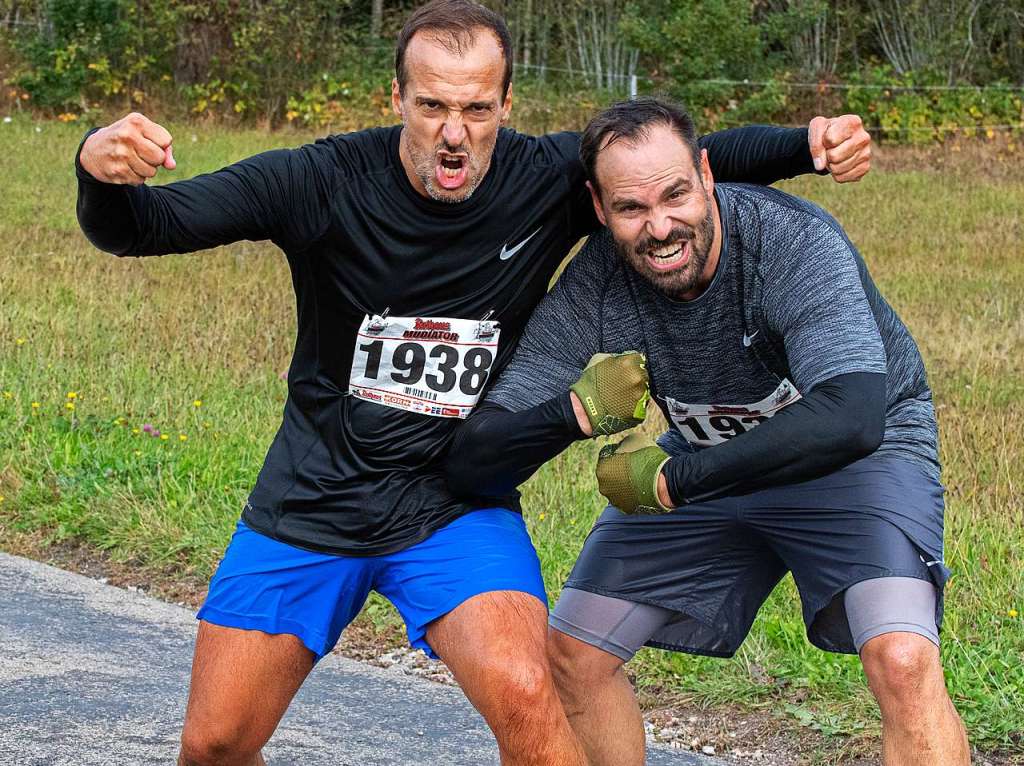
(507, 252)
(748, 339)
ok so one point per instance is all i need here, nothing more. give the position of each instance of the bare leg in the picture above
(598, 700)
(920, 726)
(494, 645)
(242, 682)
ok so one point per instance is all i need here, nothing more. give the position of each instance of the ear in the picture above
(705, 172)
(595, 196)
(506, 106)
(396, 98)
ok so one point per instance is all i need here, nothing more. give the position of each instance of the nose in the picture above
(454, 132)
(659, 225)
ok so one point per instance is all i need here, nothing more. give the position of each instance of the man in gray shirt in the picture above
(803, 439)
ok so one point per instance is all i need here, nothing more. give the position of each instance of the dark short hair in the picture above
(455, 23)
(632, 120)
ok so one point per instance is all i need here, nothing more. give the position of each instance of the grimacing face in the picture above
(659, 208)
(451, 108)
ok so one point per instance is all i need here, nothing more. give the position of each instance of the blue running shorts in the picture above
(264, 584)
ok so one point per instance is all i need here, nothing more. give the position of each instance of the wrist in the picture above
(663, 496)
(82, 156)
(582, 420)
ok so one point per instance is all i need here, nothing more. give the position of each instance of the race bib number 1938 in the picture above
(430, 365)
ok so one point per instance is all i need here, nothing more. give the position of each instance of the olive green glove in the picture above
(614, 391)
(627, 474)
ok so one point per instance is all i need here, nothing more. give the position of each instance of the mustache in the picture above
(679, 234)
(444, 146)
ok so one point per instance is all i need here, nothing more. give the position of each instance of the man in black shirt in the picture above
(417, 254)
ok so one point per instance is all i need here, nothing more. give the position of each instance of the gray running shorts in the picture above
(706, 568)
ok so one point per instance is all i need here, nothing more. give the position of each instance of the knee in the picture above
(900, 667)
(215, 748)
(565, 658)
(578, 667)
(516, 695)
(522, 682)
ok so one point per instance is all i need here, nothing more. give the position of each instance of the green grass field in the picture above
(92, 348)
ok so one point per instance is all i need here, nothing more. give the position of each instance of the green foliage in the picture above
(89, 51)
(724, 33)
(888, 103)
(316, 63)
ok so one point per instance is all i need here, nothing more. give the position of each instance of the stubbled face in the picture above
(659, 208)
(451, 109)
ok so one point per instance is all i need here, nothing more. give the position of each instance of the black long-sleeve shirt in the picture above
(839, 421)
(407, 307)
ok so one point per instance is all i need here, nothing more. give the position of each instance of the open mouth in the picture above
(452, 170)
(670, 256)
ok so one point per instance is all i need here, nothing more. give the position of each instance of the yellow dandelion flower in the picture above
(164, 437)
(19, 341)
(182, 438)
(72, 394)
(197, 403)
(1, 498)
(8, 395)
(136, 431)
(35, 405)
(1012, 612)
(70, 406)
(138, 452)
(541, 517)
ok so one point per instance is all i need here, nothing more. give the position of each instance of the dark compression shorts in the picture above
(708, 567)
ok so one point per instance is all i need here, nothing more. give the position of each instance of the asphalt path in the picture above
(93, 675)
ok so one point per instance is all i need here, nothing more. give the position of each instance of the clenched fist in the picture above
(128, 151)
(841, 145)
(612, 393)
(629, 475)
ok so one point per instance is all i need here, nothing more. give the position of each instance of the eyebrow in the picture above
(622, 204)
(421, 100)
(679, 184)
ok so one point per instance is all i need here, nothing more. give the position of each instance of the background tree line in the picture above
(917, 69)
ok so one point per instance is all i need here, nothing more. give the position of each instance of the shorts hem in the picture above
(265, 624)
(420, 639)
(895, 627)
(851, 648)
(695, 614)
(582, 634)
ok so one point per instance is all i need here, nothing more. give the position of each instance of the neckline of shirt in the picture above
(480, 196)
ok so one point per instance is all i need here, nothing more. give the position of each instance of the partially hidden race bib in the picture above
(704, 425)
(430, 365)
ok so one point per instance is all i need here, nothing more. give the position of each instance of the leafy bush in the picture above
(90, 51)
(888, 103)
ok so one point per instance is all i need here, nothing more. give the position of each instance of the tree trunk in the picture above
(376, 18)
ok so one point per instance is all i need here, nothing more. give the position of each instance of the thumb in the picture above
(169, 162)
(816, 141)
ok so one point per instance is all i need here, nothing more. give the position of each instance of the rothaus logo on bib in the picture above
(430, 365)
(705, 425)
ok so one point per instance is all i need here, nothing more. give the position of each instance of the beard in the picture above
(675, 283)
(425, 163)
